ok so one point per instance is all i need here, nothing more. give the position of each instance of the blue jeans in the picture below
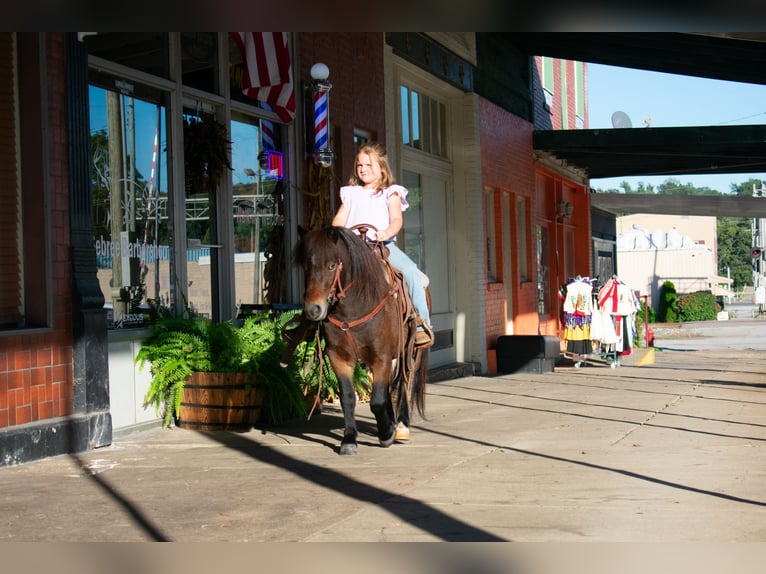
(403, 263)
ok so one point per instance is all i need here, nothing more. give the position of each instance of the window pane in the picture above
(425, 123)
(202, 243)
(145, 51)
(543, 272)
(128, 150)
(412, 227)
(259, 266)
(521, 237)
(404, 92)
(442, 151)
(199, 60)
(10, 198)
(490, 238)
(416, 143)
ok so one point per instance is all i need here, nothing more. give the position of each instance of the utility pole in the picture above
(759, 242)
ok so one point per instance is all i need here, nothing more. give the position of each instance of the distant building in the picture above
(652, 249)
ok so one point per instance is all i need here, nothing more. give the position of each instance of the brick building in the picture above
(496, 226)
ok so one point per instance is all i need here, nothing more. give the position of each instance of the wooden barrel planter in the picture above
(220, 401)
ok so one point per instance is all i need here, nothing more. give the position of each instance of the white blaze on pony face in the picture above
(320, 276)
(321, 266)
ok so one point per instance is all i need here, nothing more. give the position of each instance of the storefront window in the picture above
(228, 230)
(203, 183)
(258, 211)
(130, 203)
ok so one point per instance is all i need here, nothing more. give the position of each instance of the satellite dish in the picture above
(621, 120)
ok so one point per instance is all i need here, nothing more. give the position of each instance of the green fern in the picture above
(180, 346)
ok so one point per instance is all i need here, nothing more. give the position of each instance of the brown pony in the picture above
(350, 293)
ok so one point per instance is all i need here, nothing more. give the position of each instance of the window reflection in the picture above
(258, 212)
(130, 205)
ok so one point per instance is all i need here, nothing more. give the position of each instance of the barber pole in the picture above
(320, 120)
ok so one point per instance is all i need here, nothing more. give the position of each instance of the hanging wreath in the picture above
(206, 153)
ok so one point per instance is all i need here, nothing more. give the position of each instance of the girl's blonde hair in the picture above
(376, 152)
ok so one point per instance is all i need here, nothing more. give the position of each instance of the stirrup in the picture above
(424, 335)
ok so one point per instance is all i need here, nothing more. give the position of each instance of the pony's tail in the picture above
(420, 382)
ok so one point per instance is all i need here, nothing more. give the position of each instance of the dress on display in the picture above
(577, 311)
(619, 306)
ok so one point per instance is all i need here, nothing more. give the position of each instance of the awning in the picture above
(718, 280)
(721, 292)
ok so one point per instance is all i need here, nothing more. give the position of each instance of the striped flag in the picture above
(268, 70)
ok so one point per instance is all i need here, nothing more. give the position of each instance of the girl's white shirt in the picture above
(368, 206)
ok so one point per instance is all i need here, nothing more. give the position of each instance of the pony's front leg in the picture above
(345, 375)
(380, 404)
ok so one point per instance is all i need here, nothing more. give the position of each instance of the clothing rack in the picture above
(601, 326)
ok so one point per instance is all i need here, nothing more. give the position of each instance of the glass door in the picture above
(426, 217)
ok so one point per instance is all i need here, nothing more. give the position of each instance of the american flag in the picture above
(268, 70)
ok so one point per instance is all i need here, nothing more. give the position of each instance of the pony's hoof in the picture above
(388, 442)
(348, 448)
(402, 433)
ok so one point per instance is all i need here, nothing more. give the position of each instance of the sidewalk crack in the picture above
(630, 431)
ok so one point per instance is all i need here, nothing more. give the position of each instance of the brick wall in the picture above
(36, 369)
(508, 168)
(357, 98)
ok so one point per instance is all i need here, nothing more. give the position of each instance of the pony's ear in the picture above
(333, 234)
(301, 231)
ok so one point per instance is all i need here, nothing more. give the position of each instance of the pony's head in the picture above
(335, 260)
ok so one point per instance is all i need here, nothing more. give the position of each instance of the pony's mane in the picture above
(366, 270)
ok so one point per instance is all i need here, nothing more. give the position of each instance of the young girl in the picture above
(373, 197)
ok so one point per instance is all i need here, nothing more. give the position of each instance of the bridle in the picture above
(338, 292)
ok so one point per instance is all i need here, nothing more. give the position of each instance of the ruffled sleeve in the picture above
(399, 190)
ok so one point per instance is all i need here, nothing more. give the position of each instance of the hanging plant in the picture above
(206, 153)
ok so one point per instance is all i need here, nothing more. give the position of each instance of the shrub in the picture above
(699, 306)
(668, 307)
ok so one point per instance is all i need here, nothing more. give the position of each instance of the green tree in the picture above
(746, 187)
(734, 260)
(672, 186)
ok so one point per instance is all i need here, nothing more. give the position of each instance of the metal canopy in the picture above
(736, 57)
(717, 205)
(602, 153)
(657, 151)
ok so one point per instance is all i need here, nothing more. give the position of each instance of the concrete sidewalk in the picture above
(674, 451)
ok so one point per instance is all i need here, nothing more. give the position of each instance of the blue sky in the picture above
(672, 100)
